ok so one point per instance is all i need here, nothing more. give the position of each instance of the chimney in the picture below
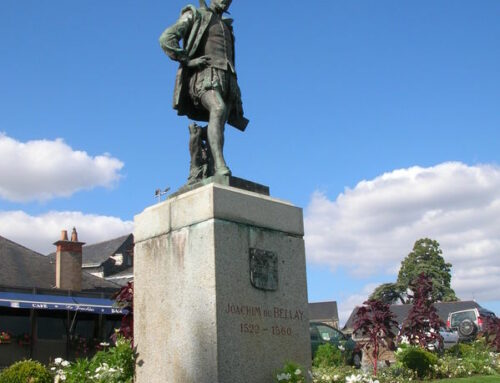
(69, 262)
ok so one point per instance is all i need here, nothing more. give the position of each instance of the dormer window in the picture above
(118, 258)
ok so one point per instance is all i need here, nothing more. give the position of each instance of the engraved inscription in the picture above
(256, 319)
(264, 269)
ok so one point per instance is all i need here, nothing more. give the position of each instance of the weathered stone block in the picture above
(198, 316)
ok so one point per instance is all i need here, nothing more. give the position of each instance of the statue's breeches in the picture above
(214, 79)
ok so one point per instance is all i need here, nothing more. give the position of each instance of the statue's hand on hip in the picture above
(200, 62)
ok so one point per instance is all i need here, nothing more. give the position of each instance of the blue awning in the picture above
(59, 302)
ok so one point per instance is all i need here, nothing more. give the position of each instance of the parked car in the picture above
(450, 338)
(468, 322)
(322, 333)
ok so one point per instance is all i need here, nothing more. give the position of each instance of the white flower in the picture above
(52, 369)
(104, 344)
(298, 372)
(335, 378)
(341, 348)
(65, 363)
(58, 360)
(353, 378)
(283, 376)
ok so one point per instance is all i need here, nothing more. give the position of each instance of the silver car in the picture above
(468, 322)
(450, 338)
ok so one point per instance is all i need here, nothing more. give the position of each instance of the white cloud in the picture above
(369, 229)
(43, 169)
(40, 232)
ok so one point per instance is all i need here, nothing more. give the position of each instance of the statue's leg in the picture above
(219, 111)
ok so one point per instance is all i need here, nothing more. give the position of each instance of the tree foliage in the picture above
(375, 322)
(388, 293)
(426, 257)
(421, 327)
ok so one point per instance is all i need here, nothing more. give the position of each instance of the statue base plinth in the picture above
(220, 288)
(235, 182)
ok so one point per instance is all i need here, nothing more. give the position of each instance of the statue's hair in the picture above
(203, 4)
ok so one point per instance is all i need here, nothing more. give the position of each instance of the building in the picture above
(326, 312)
(111, 260)
(49, 306)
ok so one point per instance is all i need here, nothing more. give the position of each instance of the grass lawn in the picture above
(473, 379)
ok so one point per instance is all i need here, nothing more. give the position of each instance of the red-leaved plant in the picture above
(422, 325)
(374, 323)
(492, 333)
(125, 300)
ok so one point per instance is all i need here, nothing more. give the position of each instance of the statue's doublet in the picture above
(194, 36)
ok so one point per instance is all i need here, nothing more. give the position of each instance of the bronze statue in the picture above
(206, 87)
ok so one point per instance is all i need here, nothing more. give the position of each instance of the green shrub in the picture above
(26, 371)
(460, 349)
(328, 355)
(121, 358)
(463, 360)
(290, 373)
(115, 365)
(418, 360)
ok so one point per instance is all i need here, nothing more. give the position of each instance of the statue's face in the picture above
(220, 5)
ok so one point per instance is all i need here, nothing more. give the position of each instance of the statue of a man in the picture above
(206, 88)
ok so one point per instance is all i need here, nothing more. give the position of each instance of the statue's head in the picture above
(220, 5)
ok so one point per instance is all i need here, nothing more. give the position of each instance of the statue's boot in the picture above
(222, 171)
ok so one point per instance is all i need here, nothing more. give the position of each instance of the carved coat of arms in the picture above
(264, 269)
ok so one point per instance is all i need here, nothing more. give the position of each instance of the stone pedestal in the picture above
(220, 288)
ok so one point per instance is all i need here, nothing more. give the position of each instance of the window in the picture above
(15, 323)
(110, 325)
(457, 318)
(85, 328)
(51, 327)
(314, 334)
(328, 333)
(118, 258)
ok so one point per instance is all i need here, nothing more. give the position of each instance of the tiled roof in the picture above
(323, 310)
(123, 277)
(98, 253)
(25, 268)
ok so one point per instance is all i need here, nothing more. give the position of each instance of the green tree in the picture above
(389, 293)
(426, 257)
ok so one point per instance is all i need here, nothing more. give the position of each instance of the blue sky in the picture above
(391, 106)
